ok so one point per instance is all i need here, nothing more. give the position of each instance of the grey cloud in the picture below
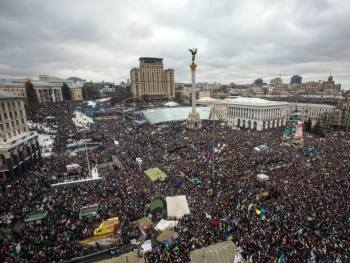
(237, 40)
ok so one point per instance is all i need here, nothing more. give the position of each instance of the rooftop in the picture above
(243, 101)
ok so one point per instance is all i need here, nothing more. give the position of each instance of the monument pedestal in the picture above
(194, 121)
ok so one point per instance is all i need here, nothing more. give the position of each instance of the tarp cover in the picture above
(177, 206)
(223, 252)
(155, 174)
(33, 216)
(166, 235)
(156, 204)
(166, 224)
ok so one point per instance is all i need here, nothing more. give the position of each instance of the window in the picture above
(7, 125)
(11, 115)
(3, 106)
(1, 127)
(5, 115)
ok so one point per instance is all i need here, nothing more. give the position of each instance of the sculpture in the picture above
(193, 52)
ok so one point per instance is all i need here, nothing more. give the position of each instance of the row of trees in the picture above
(316, 129)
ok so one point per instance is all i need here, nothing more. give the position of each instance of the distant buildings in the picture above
(47, 89)
(340, 116)
(19, 148)
(150, 80)
(276, 82)
(296, 79)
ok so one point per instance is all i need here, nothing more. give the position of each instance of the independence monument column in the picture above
(194, 120)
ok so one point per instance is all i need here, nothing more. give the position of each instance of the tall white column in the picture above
(193, 74)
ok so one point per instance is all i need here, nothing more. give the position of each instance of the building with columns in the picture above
(260, 114)
(151, 80)
(19, 148)
(45, 91)
(251, 113)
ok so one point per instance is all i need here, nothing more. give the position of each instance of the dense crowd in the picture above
(307, 206)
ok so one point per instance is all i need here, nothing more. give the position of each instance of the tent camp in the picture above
(263, 177)
(177, 206)
(156, 204)
(155, 174)
(144, 223)
(223, 252)
(166, 236)
(166, 224)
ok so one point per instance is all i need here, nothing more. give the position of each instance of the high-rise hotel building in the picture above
(19, 147)
(151, 80)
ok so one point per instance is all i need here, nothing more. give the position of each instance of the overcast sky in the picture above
(237, 41)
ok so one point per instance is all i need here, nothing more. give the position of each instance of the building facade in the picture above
(312, 86)
(250, 113)
(19, 147)
(260, 114)
(45, 91)
(151, 80)
(340, 116)
(75, 87)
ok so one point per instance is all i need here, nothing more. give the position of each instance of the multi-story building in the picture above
(45, 91)
(151, 80)
(314, 112)
(276, 82)
(250, 113)
(261, 114)
(312, 86)
(74, 86)
(18, 146)
(340, 116)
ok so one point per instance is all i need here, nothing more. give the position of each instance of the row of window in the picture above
(11, 115)
(10, 105)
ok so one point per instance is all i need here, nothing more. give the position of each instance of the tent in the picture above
(263, 177)
(107, 227)
(223, 252)
(177, 206)
(144, 223)
(35, 216)
(155, 174)
(166, 235)
(165, 224)
(156, 204)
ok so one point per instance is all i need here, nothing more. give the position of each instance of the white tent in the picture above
(177, 206)
(224, 252)
(263, 177)
(165, 224)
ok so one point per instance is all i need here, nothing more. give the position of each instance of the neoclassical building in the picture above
(260, 114)
(19, 147)
(45, 91)
(251, 113)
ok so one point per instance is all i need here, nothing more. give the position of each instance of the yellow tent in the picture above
(155, 174)
(106, 227)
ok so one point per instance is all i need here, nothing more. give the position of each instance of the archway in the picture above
(239, 123)
(243, 125)
(255, 125)
(268, 124)
(264, 125)
(249, 125)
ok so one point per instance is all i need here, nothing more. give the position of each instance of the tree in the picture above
(66, 94)
(308, 125)
(32, 98)
(90, 91)
(317, 129)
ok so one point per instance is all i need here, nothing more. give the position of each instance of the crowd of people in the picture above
(306, 208)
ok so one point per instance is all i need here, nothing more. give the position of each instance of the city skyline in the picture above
(237, 41)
